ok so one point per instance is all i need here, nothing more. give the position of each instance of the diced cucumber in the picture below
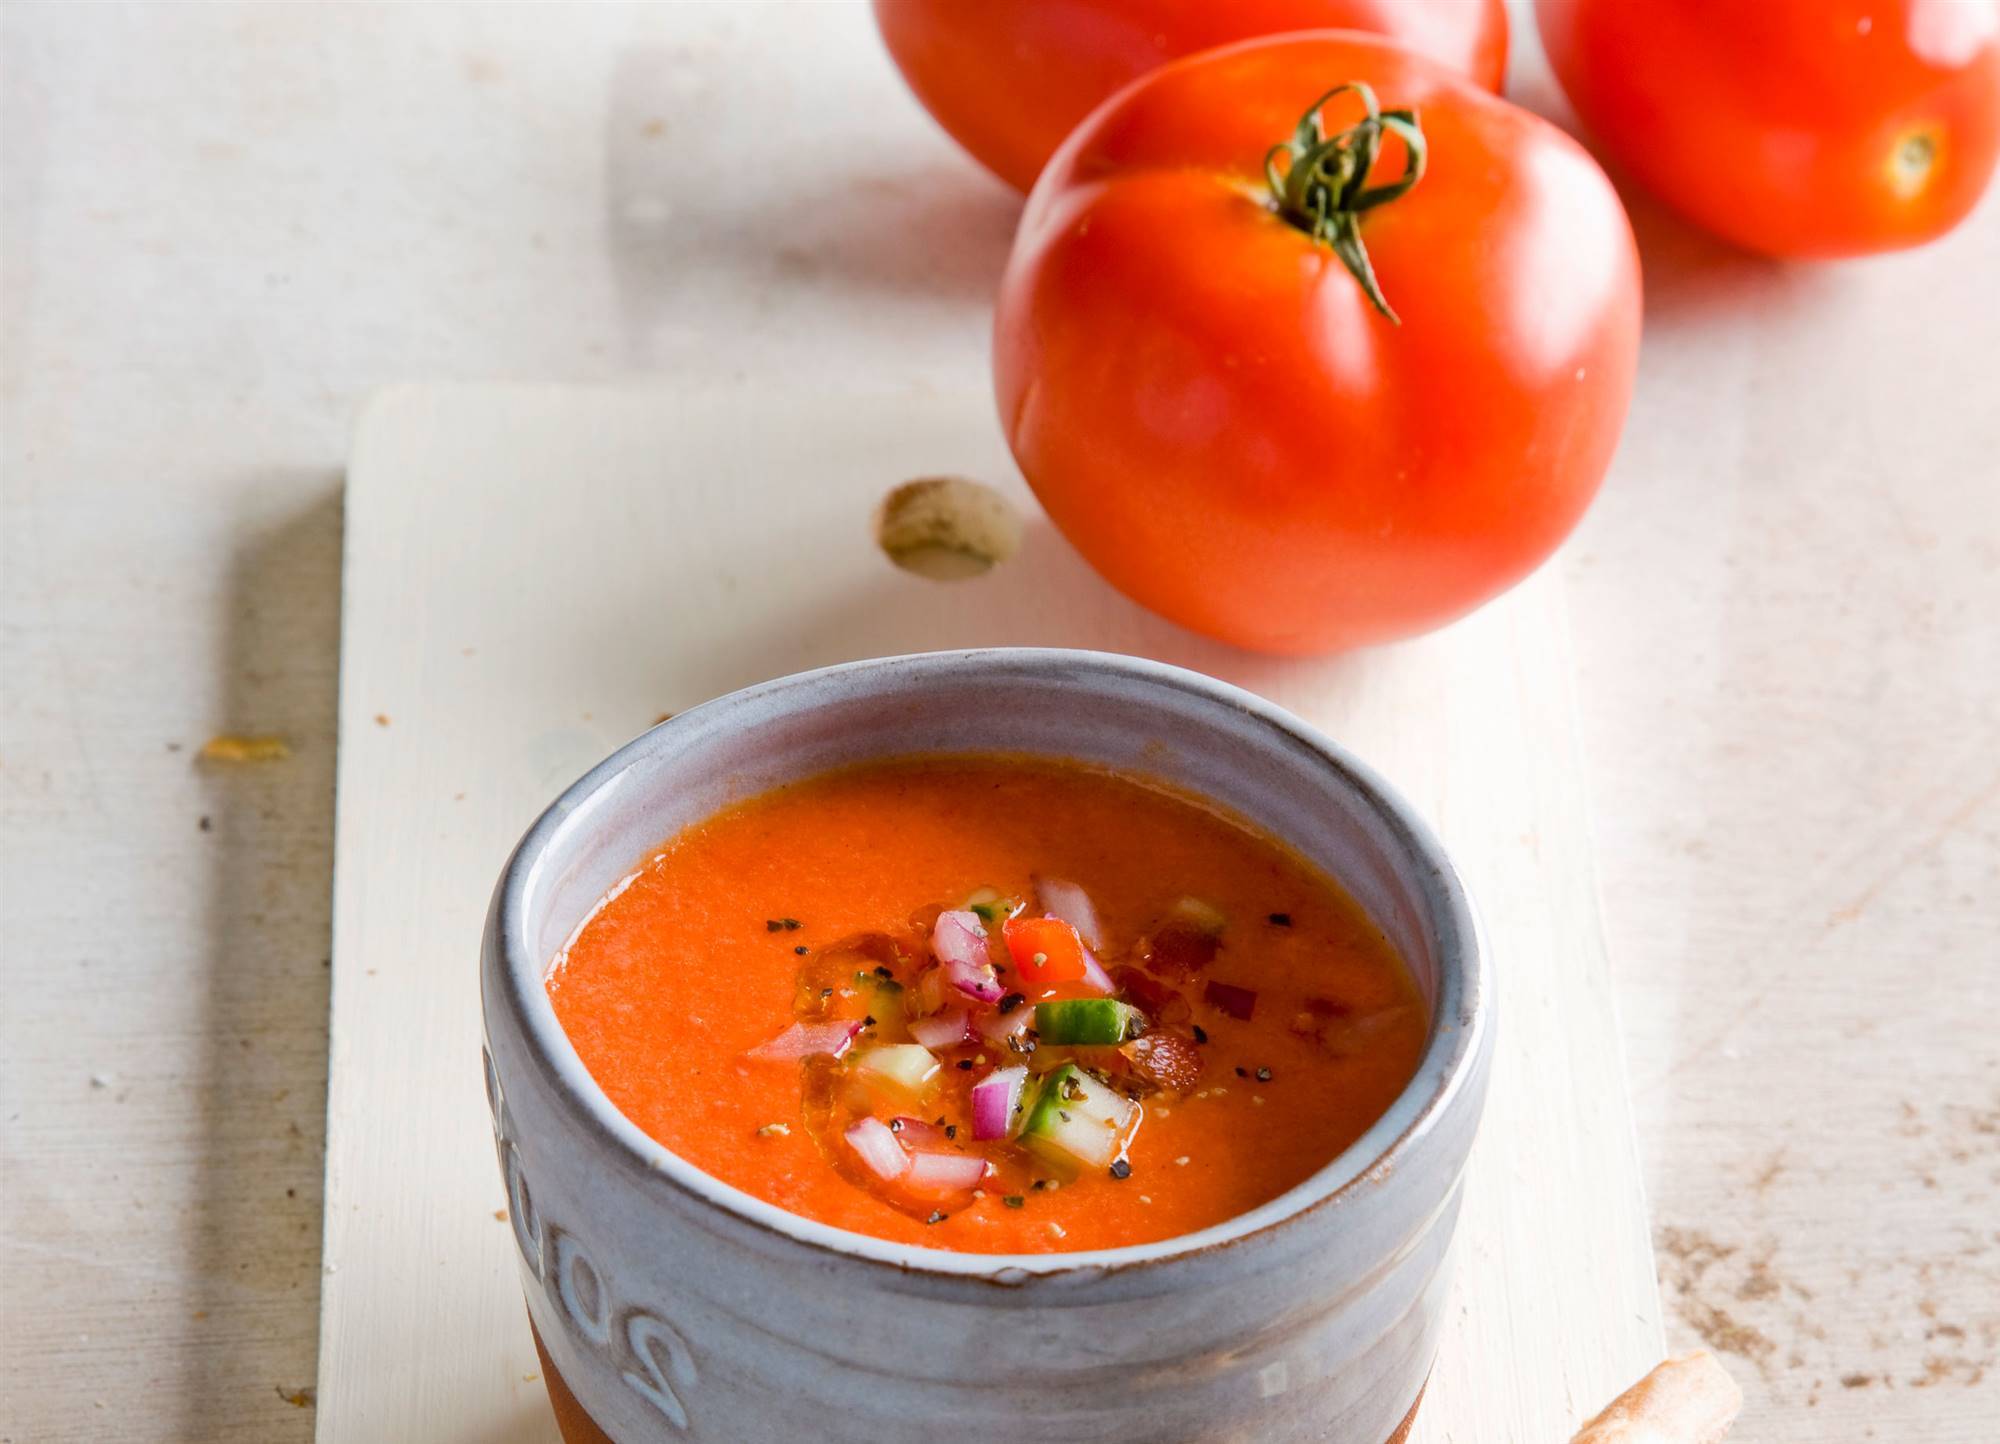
(906, 1066)
(1206, 917)
(992, 906)
(1076, 1119)
(1101, 1022)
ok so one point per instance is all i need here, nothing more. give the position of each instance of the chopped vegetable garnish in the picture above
(1094, 974)
(1237, 1002)
(1008, 1026)
(1181, 947)
(803, 1040)
(1079, 1120)
(997, 1103)
(1206, 916)
(992, 905)
(1070, 903)
(1044, 950)
(1015, 1200)
(871, 1138)
(1088, 1022)
(937, 1173)
(1317, 1015)
(909, 1067)
(960, 945)
(1165, 1060)
(942, 1030)
(915, 1133)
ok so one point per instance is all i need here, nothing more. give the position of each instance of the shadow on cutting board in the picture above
(253, 1241)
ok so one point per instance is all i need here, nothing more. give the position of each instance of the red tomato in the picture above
(1010, 78)
(1044, 950)
(1209, 407)
(1792, 127)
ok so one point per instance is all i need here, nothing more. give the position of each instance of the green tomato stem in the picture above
(1324, 190)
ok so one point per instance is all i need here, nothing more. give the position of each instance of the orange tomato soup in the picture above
(993, 1004)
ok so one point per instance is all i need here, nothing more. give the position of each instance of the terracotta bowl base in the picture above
(579, 1428)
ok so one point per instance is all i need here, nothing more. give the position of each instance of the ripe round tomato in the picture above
(1792, 127)
(1207, 403)
(1010, 78)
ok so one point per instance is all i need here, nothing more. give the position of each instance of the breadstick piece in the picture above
(1688, 1400)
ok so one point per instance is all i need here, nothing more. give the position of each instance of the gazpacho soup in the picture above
(996, 1004)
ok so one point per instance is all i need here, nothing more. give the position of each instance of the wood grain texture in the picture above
(535, 574)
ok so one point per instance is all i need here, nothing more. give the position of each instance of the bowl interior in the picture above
(1188, 731)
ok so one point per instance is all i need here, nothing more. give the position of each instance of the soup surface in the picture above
(994, 1004)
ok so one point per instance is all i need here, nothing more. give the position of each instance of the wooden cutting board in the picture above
(535, 574)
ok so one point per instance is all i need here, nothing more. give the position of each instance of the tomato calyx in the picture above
(1324, 190)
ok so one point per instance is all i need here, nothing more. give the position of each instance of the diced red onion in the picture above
(995, 1098)
(916, 1133)
(942, 1030)
(961, 947)
(999, 1027)
(1071, 903)
(878, 1148)
(1094, 974)
(958, 937)
(802, 1040)
(1237, 1002)
(945, 1172)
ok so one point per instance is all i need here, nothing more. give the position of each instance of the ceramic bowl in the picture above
(668, 1304)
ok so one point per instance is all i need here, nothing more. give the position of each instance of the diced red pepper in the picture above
(1237, 1002)
(1179, 949)
(1144, 989)
(1166, 1060)
(1312, 1019)
(1044, 950)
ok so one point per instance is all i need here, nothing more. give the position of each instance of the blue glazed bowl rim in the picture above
(1447, 1070)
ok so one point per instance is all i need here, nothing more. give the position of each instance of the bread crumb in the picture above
(235, 747)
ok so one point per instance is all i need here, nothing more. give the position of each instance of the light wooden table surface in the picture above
(223, 226)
